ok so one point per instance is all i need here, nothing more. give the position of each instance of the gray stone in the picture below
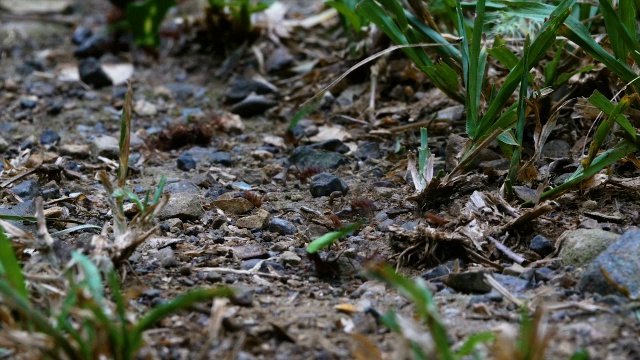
(324, 184)
(616, 269)
(580, 247)
(49, 137)
(221, 157)
(76, 151)
(243, 296)
(289, 257)
(183, 206)
(213, 277)
(241, 88)
(305, 157)
(556, 149)
(182, 186)
(282, 226)
(27, 189)
(182, 91)
(166, 257)
(92, 46)
(106, 146)
(368, 150)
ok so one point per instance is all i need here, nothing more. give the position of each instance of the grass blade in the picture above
(329, 238)
(125, 136)
(522, 107)
(10, 267)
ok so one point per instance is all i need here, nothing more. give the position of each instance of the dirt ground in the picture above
(286, 308)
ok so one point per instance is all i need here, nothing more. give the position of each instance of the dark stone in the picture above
(54, 108)
(50, 194)
(324, 184)
(368, 150)
(215, 190)
(621, 264)
(556, 149)
(221, 157)
(544, 274)
(241, 88)
(542, 246)
(92, 47)
(91, 73)
(186, 162)
(49, 137)
(438, 271)
(28, 103)
(40, 89)
(282, 226)
(305, 157)
(243, 296)
(335, 145)
(253, 105)
(80, 35)
(26, 189)
(213, 277)
(471, 282)
(26, 144)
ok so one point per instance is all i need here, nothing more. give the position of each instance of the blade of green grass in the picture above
(125, 136)
(91, 276)
(522, 107)
(604, 129)
(329, 238)
(10, 267)
(601, 102)
(538, 49)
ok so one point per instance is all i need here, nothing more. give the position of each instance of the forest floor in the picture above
(289, 306)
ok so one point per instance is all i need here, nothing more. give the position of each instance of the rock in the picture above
(256, 221)
(253, 105)
(181, 186)
(75, 151)
(261, 155)
(250, 251)
(513, 270)
(368, 150)
(289, 257)
(182, 91)
(215, 190)
(278, 59)
(324, 184)
(145, 108)
(80, 35)
(524, 193)
(438, 271)
(4, 145)
(28, 103)
(305, 157)
(27, 189)
(106, 146)
(221, 157)
(186, 162)
(335, 145)
(243, 296)
(556, 149)
(49, 137)
(468, 282)
(580, 247)
(542, 246)
(282, 226)
(91, 73)
(514, 284)
(233, 206)
(182, 206)
(621, 264)
(241, 88)
(166, 257)
(213, 277)
(92, 47)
